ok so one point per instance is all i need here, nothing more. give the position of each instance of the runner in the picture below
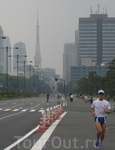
(99, 109)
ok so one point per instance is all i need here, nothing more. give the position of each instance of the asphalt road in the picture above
(76, 130)
(18, 117)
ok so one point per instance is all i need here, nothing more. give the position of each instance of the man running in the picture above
(99, 109)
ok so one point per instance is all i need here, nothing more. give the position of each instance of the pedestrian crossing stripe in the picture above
(6, 109)
(14, 110)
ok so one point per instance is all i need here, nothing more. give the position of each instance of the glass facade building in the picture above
(78, 72)
(69, 59)
(97, 38)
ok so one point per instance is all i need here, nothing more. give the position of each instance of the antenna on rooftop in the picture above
(91, 10)
(98, 8)
(105, 10)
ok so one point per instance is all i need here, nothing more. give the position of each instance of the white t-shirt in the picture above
(71, 96)
(99, 106)
(86, 97)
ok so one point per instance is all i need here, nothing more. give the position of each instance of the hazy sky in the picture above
(58, 20)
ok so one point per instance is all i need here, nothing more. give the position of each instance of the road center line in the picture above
(36, 106)
(2, 103)
(17, 105)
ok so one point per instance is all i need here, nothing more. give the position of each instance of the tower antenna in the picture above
(98, 8)
(105, 10)
(91, 10)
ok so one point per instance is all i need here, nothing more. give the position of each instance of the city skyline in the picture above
(58, 21)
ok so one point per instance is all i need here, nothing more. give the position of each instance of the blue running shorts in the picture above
(101, 120)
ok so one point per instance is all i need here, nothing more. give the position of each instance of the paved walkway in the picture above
(76, 130)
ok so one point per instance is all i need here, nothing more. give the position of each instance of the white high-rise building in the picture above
(21, 52)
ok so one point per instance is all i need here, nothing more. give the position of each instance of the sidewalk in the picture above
(76, 130)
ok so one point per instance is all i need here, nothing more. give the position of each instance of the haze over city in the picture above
(58, 20)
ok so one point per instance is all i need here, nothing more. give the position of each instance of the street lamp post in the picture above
(30, 77)
(7, 50)
(7, 69)
(25, 73)
(17, 57)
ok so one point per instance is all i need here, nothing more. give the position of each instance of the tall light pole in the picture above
(17, 57)
(30, 77)
(7, 50)
(25, 73)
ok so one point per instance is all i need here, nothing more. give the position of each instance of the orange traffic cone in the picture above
(47, 124)
(51, 117)
(41, 126)
(57, 114)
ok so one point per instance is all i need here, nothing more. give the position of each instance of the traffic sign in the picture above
(1, 84)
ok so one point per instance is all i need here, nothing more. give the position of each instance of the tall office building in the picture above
(37, 57)
(1, 50)
(76, 47)
(69, 59)
(21, 51)
(96, 39)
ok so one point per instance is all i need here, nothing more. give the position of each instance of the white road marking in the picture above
(20, 140)
(10, 115)
(6, 109)
(15, 110)
(41, 142)
(24, 110)
(33, 110)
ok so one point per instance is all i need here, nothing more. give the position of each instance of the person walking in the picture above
(91, 99)
(47, 97)
(71, 97)
(99, 109)
(86, 98)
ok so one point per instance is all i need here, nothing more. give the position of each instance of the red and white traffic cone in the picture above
(51, 116)
(47, 123)
(57, 113)
(41, 126)
(62, 109)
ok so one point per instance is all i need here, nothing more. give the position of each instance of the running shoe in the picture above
(100, 145)
(96, 145)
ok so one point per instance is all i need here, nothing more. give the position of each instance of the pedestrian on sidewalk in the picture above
(71, 97)
(91, 99)
(86, 98)
(99, 109)
(47, 97)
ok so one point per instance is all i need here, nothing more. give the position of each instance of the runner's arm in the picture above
(107, 111)
(92, 111)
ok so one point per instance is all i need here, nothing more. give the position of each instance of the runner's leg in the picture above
(103, 131)
(99, 130)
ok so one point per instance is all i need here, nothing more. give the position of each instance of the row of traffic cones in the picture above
(49, 120)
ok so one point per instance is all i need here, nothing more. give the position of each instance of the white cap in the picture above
(101, 91)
